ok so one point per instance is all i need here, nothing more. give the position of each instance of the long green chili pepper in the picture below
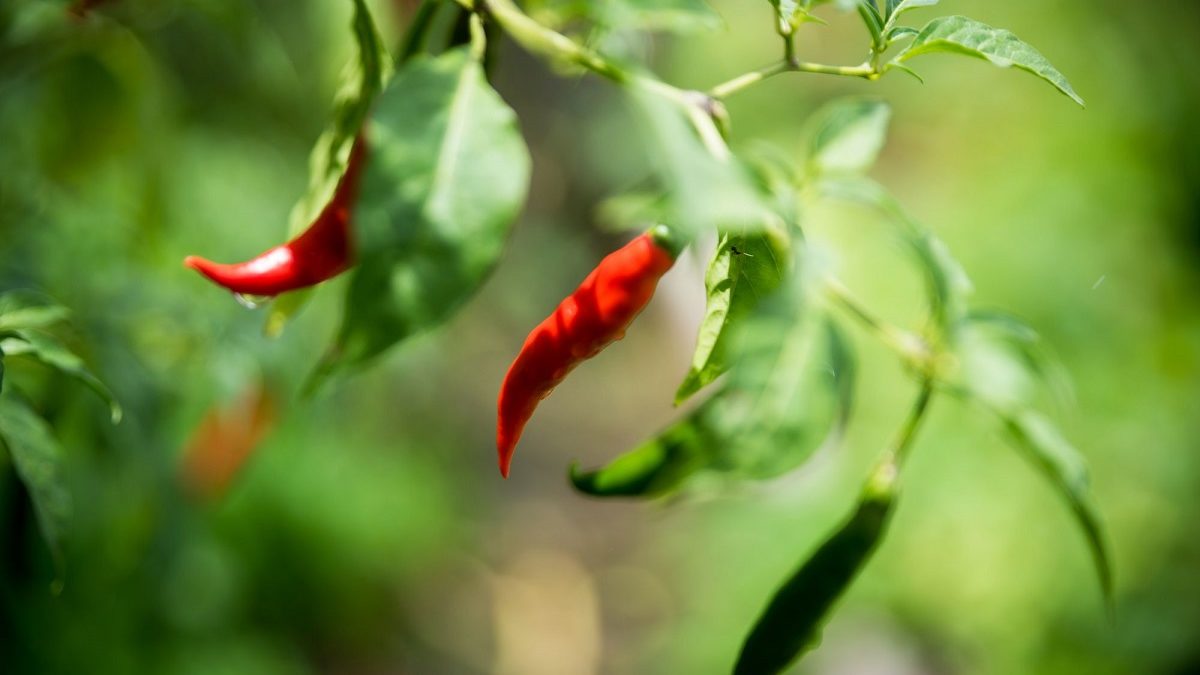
(792, 621)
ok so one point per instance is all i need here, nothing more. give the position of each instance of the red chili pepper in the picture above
(591, 318)
(321, 252)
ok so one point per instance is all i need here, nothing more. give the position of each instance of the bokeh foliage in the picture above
(370, 531)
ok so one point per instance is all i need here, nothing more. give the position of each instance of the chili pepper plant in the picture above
(422, 172)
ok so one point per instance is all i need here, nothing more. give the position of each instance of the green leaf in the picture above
(53, 353)
(362, 81)
(872, 19)
(896, 8)
(1062, 464)
(447, 175)
(38, 460)
(744, 269)
(947, 284)
(1026, 346)
(784, 392)
(791, 623)
(846, 136)
(658, 466)
(705, 185)
(962, 35)
(680, 16)
(19, 310)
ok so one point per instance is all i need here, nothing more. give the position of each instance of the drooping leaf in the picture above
(744, 269)
(447, 175)
(962, 35)
(846, 136)
(948, 286)
(1067, 470)
(791, 623)
(1026, 346)
(38, 459)
(362, 81)
(50, 351)
(706, 186)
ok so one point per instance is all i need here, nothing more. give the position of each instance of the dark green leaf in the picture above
(743, 270)
(361, 83)
(38, 460)
(48, 350)
(872, 19)
(961, 35)
(846, 136)
(792, 621)
(447, 175)
(1062, 464)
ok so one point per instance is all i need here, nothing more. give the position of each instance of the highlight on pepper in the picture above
(318, 254)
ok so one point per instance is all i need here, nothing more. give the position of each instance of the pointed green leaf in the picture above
(947, 283)
(51, 352)
(846, 136)
(895, 8)
(447, 175)
(38, 459)
(1062, 464)
(361, 83)
(962, 35)
(743, 270)
(792, 621)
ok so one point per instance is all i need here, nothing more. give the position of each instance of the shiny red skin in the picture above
(586, 322)
(318, 254)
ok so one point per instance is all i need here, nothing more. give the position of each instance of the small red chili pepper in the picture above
(320, 253)
(587, 321)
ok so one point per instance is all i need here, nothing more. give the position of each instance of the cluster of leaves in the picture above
(27, 331)
(449, 172)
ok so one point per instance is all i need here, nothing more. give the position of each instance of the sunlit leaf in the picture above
(447, 175)
(361, 83)
(962, 35)
(897, 7)
(705, 185)
(791, 623)
(744, 269)
(846, 136)
(38, 460)
(1066, 468)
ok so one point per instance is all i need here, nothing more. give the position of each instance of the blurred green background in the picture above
(371, 533)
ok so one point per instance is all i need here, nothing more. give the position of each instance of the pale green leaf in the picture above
(962, 35)
(846, 136)
(705, 185)
(1066, 468)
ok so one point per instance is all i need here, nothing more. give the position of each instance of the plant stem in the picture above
(741, 82)
(910, 346)
(414, 39)
(904, 437)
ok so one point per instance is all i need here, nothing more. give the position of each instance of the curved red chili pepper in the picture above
(587, 321)
(321, 252)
